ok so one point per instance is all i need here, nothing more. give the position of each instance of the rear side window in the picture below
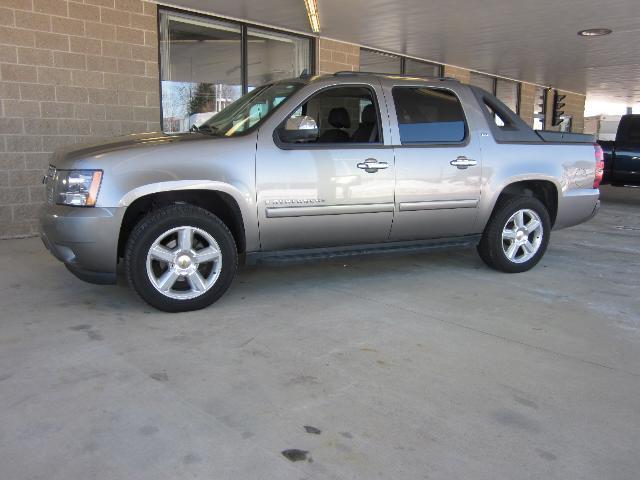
(429, 115)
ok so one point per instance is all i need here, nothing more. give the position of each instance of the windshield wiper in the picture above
(206, 129)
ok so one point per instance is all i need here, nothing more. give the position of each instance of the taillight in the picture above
(599, 165)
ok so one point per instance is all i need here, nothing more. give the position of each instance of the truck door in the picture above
(332, 185)
(626, 165)
(438, 164)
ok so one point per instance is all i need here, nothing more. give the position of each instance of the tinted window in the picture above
(428, 115)
(340, 115)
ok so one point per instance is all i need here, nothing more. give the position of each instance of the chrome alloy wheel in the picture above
(522, 236)
(184, 262)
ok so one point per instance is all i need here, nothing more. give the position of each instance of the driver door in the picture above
(333, 185)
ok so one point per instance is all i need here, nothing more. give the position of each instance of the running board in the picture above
(311, 254)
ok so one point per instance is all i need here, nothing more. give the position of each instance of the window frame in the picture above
(244, 26)
(439, 144)
(331, 146)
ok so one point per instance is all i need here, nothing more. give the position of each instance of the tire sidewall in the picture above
(148, 231)
(502, 215)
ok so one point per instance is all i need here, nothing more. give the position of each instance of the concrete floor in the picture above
(420, 366)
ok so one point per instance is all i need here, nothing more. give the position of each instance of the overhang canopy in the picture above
(534, 41)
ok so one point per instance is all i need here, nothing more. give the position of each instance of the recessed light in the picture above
(594, 32)
(312, 13)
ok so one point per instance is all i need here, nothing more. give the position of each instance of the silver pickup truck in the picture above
(316, 166)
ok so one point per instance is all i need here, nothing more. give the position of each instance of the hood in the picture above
(65, 156)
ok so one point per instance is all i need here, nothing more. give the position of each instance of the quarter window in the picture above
(428, 115)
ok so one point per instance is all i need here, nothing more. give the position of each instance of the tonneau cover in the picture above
(565, 137)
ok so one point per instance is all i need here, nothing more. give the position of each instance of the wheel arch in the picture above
(544, 189)
(220, 203)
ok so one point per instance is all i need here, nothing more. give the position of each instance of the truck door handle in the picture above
(463, 162)
(371, 165)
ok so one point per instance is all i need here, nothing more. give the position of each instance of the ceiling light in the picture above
(312, 12)
(594, 32)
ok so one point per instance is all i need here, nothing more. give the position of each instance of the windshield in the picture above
(249, 110)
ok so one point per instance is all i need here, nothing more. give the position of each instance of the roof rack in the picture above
(359, 73)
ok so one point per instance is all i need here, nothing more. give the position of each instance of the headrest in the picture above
(339, 118)
(369, 114)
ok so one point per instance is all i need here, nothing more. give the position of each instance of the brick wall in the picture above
(70, 71)
(527, 102)
(337, 56)
(460, 74)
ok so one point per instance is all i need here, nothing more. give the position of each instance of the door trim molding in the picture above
(311, 211)
(437, 205)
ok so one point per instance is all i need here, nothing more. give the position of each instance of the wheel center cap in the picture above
(520, 235)
(184, 261)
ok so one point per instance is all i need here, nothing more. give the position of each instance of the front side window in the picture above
(248, 111)
(335, 115)
(428, 115)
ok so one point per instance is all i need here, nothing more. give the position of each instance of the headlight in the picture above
(77, 187)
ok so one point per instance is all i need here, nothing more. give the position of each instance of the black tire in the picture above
(491, 245)
(153, 226)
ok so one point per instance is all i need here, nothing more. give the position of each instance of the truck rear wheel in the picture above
(180, 258)
(517, 235)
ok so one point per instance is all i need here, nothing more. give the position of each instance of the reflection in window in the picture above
(201, 65)
(379, 62)
(194, 86)
(428, 115)
(275, 56)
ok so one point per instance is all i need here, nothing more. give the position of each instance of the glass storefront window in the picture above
(379, 62)
(483, 81)
(202, 66)
(414, 67)
(275, 56)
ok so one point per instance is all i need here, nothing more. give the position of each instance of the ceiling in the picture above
(534, 41)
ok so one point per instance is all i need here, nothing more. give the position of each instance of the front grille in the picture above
(49, 182)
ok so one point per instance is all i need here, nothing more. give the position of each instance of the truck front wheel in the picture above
(180, 258)
(516, 236)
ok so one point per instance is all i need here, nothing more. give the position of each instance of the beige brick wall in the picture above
(460, 74)
(70, 71)
(527, 102)
(337, 56)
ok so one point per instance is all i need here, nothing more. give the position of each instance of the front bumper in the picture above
(84, 239)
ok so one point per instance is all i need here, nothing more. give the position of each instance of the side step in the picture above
(312, 254)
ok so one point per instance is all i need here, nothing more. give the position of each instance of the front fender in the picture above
(241, 194)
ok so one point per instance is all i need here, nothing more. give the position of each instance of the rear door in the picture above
(438, 164)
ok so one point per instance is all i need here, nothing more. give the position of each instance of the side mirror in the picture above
(299, 130)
